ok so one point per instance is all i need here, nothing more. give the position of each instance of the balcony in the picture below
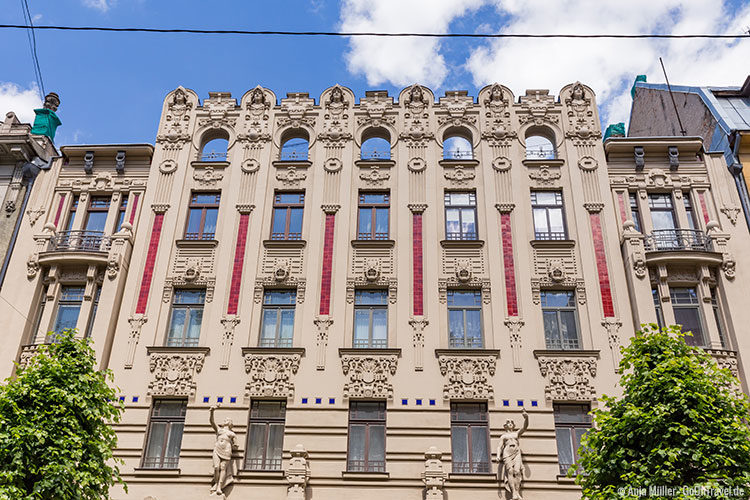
(375, 154)
(79, 241)
(672, 240)
(213, 156)
(458, 154)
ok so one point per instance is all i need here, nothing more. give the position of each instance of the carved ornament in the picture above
(369, 375)
(569, 375)
(271, 375)
(174, 371)
(467, 376)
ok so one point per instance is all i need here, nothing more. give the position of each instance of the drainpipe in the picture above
(739, 179)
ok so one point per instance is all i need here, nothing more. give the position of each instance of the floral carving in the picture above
(459, 174)
(544, 177)
(174, 373)
(467, 377)
(270, 374)
(569, 378)
(375, 175)
(725, 359)
(207, 176)
(291, 176)
(369, 375)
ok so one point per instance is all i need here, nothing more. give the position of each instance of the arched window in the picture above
(457, 146)
(376, 145)
(215, 149)
(295, 146)
(539, 146)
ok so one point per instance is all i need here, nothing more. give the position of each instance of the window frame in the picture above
(170, 420)
(279, 308)
(94, 308)
(653, 207)
(465, 344)
(266, 464)
(370, 342)
(72, 212)
(635, 211)
(182, 341)
(570, 426)
(718, 316)
(93, 207)
(61, 302)
(690, 214)
(121, 211)
(561, 346)
(472, 206)
(193, 204)
(277, 204)
(481, 423)
(696, 306)
(535, 205)
(658, 307)
(368, 465)
(372, 207)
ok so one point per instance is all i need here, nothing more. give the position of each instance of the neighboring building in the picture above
(369, 290)
(720, 115)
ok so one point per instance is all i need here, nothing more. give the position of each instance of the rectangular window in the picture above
(165, 434)
(72, 214)
(278, 318)
(657, 307)
(94, 307)
(121, 212)
(717, 316)
(186, 317)
(265, 436)
(287, 216)
(686, 307)
(689, 211)
(371, 318)
(465, 318)
(470, 438)
(662, 211)
(203, 212)
(39, 315)
(372, 222)
(96, 213)
(571, 423)
(366, 450)
(560, 322)
(461, 216)
(635, 214)
(549, 216)
(68, 307)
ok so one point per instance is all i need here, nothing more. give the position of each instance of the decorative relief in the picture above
(35, 214)
(545, 175)
(416, 126)
(177, 118)
(336, 116)
(227, 339)
(297, 473)
(537, 107)
(270, 374)
(217, 107)
(433, 476)
(481, 284)
(28, 352)
(323, 323)
(612, 327)
(295, 107)
(725, 359)
(261, 284)
(498, 130)
(256, 116)
(363, 281)
(207, 176)
(369, 375)
(376, 104)
(459, 175)
(555, 263)
(568, 377)
(588, 163)
(537, 284)
(332, 165)
(471, 258)
(136, 324)
(191, 277)
(290, 259)
(581, 120)
(514, 325)
(501, 164)
(456, 103)
(730, 212)
(250, 165)
(418, 325)
(167, 166)
(364, 259)
(375, 175)
(291, 175)
(467, 377)
(416, 164)
(174, 373)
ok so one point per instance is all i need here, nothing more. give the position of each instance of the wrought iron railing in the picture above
(199, 236)
(273, 342)
(370, 344)
(466, 343)
(293, 155)
(372, 236)
(471, 467)
(366, 466)
(261, 464)
(461, 235)
(458, 154)
(678, 239)
(550, 235)
(561, 344)
(540, 154)
(160, 462)
(375, 154)
(214, 156)
(182, 342)
(80, 241)
(286, 236)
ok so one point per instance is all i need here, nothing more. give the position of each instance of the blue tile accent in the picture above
(331, 401)
(404, 402)
(318, 401)
(534, 403)
(432, 402)
(520, 402)
(304, 401)
(220, 399)
(206, 399)
(419, 402)
(122, 398)
(506, 402)
(233, 399)
(135, 399)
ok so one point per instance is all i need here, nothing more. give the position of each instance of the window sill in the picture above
(480, 477)
(149, 472)
(565, 479)
(210, 163)
(460, 351)
(364, 351)
(291, 163)
(366, 476)
(260, 474)
(552, 243)
(552, 162)
(196, 243)
(453, 162)
(272, 350)
(163, 348)
(462, 243)
(567, 353)
(284, 243)
(373, 243)
(375, 162)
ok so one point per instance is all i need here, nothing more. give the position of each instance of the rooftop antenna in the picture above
(669, 87)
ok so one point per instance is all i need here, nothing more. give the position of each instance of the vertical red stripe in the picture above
(148, 270)
(239, 260)
(509, 265)
(621, 200)
(325, 279)
(418, 306)
(134, 208)
(59, 209)
(601, 266)
(703, 207)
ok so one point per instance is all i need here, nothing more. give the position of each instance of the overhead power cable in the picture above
(32, 44)
(373, 33)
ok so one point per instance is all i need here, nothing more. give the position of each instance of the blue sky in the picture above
(112, 85)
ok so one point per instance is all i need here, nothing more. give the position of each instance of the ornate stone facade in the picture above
(467, 375)
(174, 371)
(368, 375)
(568, 375)
(271, 375)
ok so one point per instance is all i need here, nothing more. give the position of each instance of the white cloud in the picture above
(19, 100)
(610, 65)
(100, 5)
(400, 61)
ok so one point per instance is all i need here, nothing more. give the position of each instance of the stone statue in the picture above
(226, 442)
(510, 468)
(46, 121)
(51, 101)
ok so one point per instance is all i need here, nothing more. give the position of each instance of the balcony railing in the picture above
(550, 235)
(293, 155)
(466, 343)
(161, 462)
(458, 154)
(678, 240)
(471, 467)
(270, 464)
(540, 154)
(277, 343)
(375, 154)
(80, 241)
(214, 156)
(366, 466)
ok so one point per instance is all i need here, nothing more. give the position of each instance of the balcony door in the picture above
(662, 211)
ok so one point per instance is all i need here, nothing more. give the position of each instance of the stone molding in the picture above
(174, 369)
(271, 371)
(725, 359)
(297, 473)
(369, 372)
(569, 374)
(467, 372)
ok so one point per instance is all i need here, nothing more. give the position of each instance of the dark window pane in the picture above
(295, 223)
(209, 226)
(356, 442)
(279, 221)
(194, 221)
(689, 318)
(96, 221)
(67, 317)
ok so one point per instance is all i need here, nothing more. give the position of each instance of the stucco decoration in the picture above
(725, 359)
(416, 164)
(568, 378)
(333, 165)
(538, 284)
(369, 375)
(136, 323)
(271, 375)
(207, 176)
(224, 446)
(218, 106)
(720, 241)
(581, 120)
(514, 325)
(416, 125)
(323, 323)
(35, 214)
(294, 111)
(229, 323)
(377, 104)
(167, 166)
(467, 377)
(434, 474)
(177, 117)
(459, 175)
(418, 324)
(174, 373)
(545, 176)
(498, 130)
(336, 117)
(537, 107)
(731, 213)
(27, 354)
(510, 468)
(250, 165)
(273, 281)
(456, 103)
(297, 473)
(375, 175)
(501, 164)
(612, 327)
(256, 116)
(291, 176)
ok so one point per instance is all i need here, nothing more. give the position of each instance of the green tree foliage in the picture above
(681, 422)
(56, 438)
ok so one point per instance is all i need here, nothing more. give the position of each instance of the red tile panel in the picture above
(702, 199)
(148, 269)
(239, 260)
(417, 284)
(59, 209)
(601, 266)
(510, 270)
(134, 208)
(325, 279)
(621, 201)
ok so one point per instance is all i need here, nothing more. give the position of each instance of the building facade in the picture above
(337, 299)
